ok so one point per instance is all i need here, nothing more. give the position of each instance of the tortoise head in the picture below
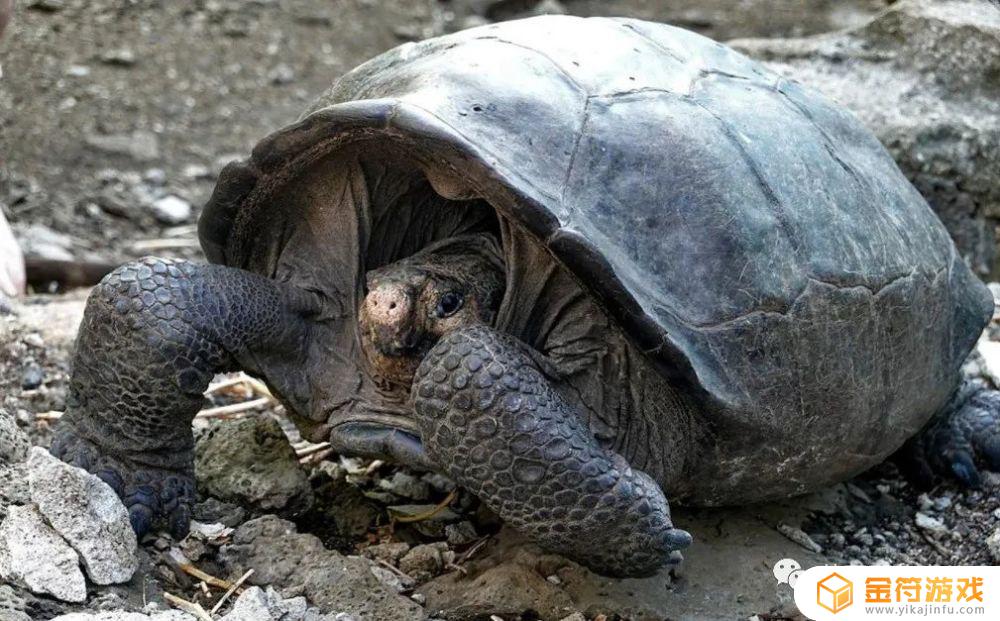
(412, 303)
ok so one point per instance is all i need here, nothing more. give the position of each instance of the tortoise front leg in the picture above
(491, 419)
(153, 334)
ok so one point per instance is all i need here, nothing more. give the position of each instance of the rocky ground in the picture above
(327, 535)
(116, 117)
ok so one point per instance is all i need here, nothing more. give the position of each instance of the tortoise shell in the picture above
(753, 239)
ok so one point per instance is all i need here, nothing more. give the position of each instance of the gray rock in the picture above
(407, 486)
(12, 605)
(993, 545)
(13, 486)
(171, 209)
(461, 533)
(923, 76)
(256, 604)
(140, 145)
(391, 579)
(291, 609)
(13, 442)
(387, 552)
(85, 511)
(38, 240)
(250, 462)
(120, 615)
(213, 510)
(424, 562)
(34, 555)
(252, 605)
(929, 523)
(284, 558)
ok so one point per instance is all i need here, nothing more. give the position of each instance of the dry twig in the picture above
(235, 408)
(188, 567)
(426, 515)
(144, 245)
(232, 589)
(476, 547)
(309, 449)
(186, 606)
(396, 570)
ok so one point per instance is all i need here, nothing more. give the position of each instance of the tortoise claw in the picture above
(153, 496)
(960, 443)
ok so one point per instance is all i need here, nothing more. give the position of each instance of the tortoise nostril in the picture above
(392, 306)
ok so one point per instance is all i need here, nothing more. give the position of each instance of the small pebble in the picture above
(993, 545)
(800, 537)
(48, 6)
(461, 533)
(929, 523)
(123, 57)
(155, 176)
(33, 377)
(282, 74)
(172, 210)
(196, 171)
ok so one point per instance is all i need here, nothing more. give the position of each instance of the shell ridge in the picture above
(873, 291)
(627, 23)
(576, 149)
(565, 72)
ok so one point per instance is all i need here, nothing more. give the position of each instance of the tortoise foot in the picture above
(154, 333)
(492, 419)
(961, 441)
(153, 495)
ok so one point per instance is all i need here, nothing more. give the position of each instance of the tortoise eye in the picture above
(449, 304)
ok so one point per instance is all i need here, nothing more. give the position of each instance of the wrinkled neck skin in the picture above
(469, 264)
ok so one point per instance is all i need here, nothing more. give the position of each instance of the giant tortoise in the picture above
(577, 265)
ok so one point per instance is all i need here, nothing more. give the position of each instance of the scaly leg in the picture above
(492, 420)
(961, 440)
(153, 334)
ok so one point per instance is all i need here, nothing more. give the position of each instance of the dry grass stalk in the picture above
(396, 570)
(232, 589)
(310, 448)
(426, 515)
(188, 607)
(185, 565)
(476, 547)
(315, 458)
(163, 243)
(235, 408)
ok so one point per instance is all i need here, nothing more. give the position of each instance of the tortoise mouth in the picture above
(390, 437)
